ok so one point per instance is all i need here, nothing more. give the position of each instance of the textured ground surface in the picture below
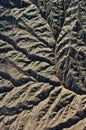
(42, 65)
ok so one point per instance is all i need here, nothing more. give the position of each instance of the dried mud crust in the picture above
(42, 65)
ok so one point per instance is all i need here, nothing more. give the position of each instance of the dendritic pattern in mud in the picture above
(42, 65)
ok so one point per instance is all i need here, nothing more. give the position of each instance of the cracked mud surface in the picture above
(42, 65)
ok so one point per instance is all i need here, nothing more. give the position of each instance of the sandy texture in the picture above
(42, 64)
